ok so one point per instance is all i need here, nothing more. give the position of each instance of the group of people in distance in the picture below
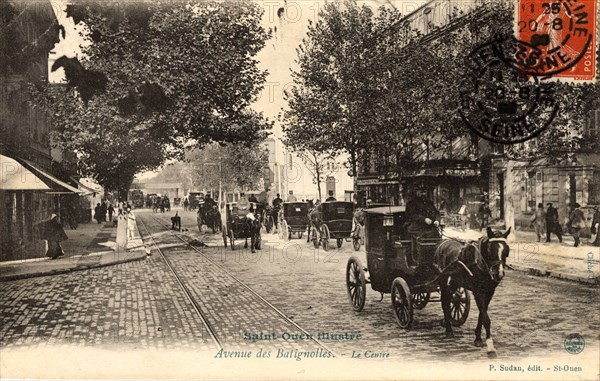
(548, 222)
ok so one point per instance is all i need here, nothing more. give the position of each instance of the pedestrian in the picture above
(111, 211)
(552, 223)
(53, 232)
(596, 227)
(576, 223)
(98, 213)
(103, 211)
(186, 204)
(131, 224)
(538, 221)
(484, 215)
(462, 212)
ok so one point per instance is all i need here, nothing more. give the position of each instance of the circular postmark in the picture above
(501, 104)
(551, 37)
(574, 343)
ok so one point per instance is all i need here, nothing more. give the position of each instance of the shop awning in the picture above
(84, 188)
(15, 177)
(64, 187)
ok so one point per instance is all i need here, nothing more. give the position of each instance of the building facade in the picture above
(28, 36)
(476, 171)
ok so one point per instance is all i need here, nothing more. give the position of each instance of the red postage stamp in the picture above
(557, 38)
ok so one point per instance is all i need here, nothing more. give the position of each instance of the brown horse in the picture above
(477, 266)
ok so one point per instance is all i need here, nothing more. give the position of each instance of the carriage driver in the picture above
(423, 217)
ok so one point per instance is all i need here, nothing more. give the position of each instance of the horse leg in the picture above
(489, 342)
(253, 243)
(480, 319)
(446, 296)
(246, 243)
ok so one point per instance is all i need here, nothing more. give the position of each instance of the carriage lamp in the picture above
(388, 220)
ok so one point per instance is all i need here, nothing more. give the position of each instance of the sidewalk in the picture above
(554, 259)
(89, 246)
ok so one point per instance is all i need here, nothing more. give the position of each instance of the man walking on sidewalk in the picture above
(539, 221)
(576, 223)
(552, 224)
(596, 227)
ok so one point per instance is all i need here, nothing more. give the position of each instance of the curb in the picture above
(594, 281)
(69, 270)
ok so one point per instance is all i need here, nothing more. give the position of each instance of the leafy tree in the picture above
(174, 71)
(236, 167)
(337, 82)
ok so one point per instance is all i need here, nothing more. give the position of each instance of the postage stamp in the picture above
(556, 38)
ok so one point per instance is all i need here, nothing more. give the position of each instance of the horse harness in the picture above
(479, 260)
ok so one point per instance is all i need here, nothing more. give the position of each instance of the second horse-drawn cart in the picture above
(332, 220)
(241, 225)
(400, 265)
(293, 219)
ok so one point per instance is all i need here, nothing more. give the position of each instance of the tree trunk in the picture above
(318, 178)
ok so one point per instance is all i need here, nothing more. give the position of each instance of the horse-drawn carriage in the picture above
(411, 269)
(292, 219)
(209, 215)
(332, 220)
(400, 265)
(241, 226)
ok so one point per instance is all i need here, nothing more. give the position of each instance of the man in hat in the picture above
(330, 198)
(552, 224)
(576, 223)
(423, 217)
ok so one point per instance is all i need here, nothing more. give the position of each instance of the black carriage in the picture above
(237, 226)
(333, 220)
(293, 218)
(400, 265)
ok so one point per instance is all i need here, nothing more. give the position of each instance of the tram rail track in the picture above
(197, 307)
(186, 291)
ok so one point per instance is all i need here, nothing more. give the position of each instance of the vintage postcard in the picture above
(300, 190)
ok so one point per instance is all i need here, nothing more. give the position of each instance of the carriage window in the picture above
(341, 210)
(298, 209)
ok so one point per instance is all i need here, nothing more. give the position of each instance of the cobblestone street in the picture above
(140, 304)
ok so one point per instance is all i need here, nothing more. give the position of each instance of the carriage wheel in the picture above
(284, 233)
(460, 304)
(271, 225)
(402, 303)
(224, 236)
(420, 300)
(325, 237)
(339, 242)
(314, 237)
(356, 243)
(356, 284)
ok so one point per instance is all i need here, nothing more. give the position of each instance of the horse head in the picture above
(494, 250)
